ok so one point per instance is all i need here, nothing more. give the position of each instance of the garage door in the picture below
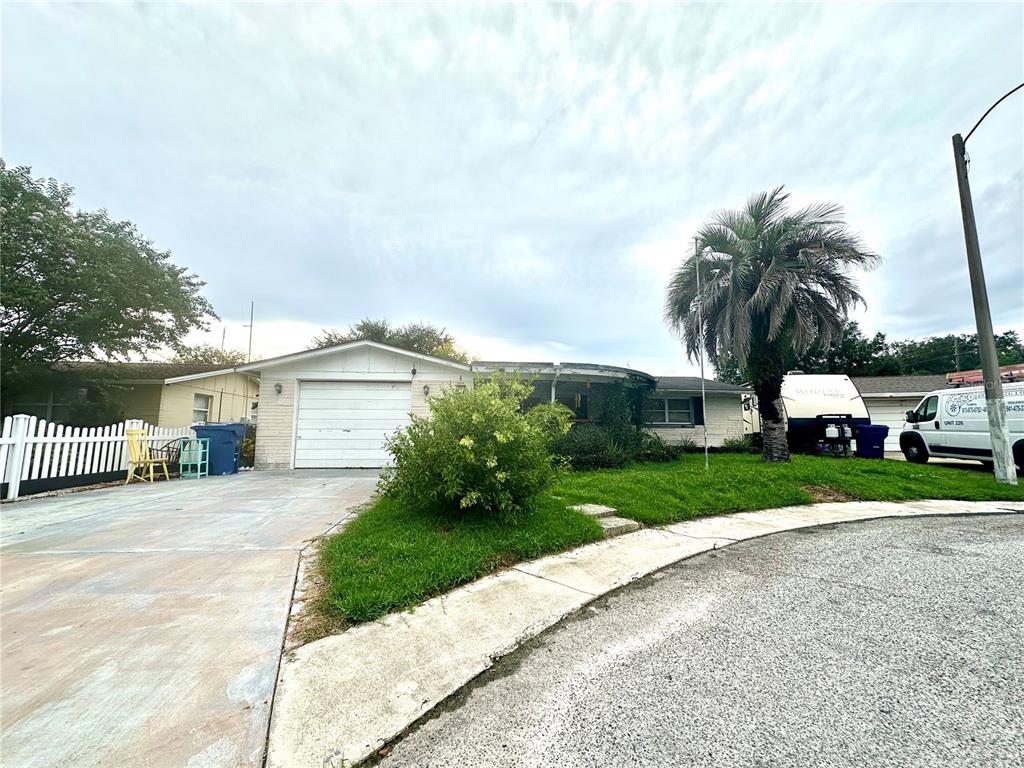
(345, 423)
(891, 412)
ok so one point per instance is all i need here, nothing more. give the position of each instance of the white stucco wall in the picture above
(275, 435)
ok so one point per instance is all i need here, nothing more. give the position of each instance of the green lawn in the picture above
(388, 559)
(664, 493)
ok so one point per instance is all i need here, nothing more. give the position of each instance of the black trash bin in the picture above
(871, 441)
(225, 445)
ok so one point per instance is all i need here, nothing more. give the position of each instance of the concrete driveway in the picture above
(884, 643)
(142, 626)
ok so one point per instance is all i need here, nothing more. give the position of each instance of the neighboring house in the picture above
(334, 407)
(888, 398)
(162, 394)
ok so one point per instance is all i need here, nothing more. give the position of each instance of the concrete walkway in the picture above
(341, 698)
(142, 625)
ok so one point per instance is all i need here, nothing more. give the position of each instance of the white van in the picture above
(954, 423)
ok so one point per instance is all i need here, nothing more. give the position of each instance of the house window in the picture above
(201, 407)
(669, 410)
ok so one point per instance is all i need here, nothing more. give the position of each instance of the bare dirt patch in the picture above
(822, 493)
(308, 620)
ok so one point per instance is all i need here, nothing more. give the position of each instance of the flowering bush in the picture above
(478, 451)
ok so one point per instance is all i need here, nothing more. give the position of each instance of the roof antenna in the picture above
(248, 357)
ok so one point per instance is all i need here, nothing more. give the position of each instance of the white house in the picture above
(335, 407)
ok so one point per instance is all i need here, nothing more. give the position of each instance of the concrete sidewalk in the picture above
(343, 697)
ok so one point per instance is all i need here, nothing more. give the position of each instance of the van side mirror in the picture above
(911, 417)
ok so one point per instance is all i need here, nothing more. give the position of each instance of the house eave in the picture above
(311, 354)
(207, 375)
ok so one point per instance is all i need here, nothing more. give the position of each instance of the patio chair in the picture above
(140, 457)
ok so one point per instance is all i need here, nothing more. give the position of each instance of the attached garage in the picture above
(335, 407)
(888, 398)
(345, 423)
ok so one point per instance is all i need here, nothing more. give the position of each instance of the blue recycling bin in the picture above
(871, 441)
(225, 445)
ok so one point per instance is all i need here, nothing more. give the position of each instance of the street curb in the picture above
(342, 698)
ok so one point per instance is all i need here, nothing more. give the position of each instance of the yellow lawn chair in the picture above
(140, 456)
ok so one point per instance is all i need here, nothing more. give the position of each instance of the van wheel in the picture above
(1018, 455)
(913, 449)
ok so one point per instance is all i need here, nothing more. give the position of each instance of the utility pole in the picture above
(1002, 456)
(700, 328)
(956, 352)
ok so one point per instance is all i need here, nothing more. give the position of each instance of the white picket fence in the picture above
(35, 449)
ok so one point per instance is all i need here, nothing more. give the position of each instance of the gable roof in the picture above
(309, 354)
(692, 384)
(899, 385)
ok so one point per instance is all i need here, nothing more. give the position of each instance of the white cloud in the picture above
(526, 174)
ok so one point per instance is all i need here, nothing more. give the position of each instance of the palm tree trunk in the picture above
(773, 429)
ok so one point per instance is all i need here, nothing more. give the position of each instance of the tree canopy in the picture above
(207, 353)
(424, 338)
(857, 355)
(79, 285)
(773, 283)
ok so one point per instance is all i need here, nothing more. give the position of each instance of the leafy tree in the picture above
(207, 353)
(774, 282)
(77, 284)
(952, 352)
(424, 338)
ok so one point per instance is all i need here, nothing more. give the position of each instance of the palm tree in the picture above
(772, 282)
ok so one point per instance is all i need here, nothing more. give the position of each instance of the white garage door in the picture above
(891, 412)
(345, 423)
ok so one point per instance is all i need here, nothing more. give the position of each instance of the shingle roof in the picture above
(138, 371)
(911, 385)
(692, 384)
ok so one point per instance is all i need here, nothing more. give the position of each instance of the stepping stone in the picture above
(616, 526)
(594, 510)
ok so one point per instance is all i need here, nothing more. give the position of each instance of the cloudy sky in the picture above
(527, 176)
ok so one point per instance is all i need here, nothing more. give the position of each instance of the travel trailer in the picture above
(822, 412)
(954, 423)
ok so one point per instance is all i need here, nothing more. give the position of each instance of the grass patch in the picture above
(666, 493)
(389, 559)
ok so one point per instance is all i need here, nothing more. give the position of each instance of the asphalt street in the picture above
(882, 643)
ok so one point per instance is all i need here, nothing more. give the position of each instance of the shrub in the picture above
(653, 449)
(589, 446)
(477, 452)
(743, 444)
(247, 453)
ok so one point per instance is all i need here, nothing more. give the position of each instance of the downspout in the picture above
(554, 380)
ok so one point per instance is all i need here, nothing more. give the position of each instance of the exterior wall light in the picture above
(426, 390)
(278, 388)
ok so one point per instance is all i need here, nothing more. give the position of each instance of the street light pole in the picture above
(700, 328)
(1002, 454)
